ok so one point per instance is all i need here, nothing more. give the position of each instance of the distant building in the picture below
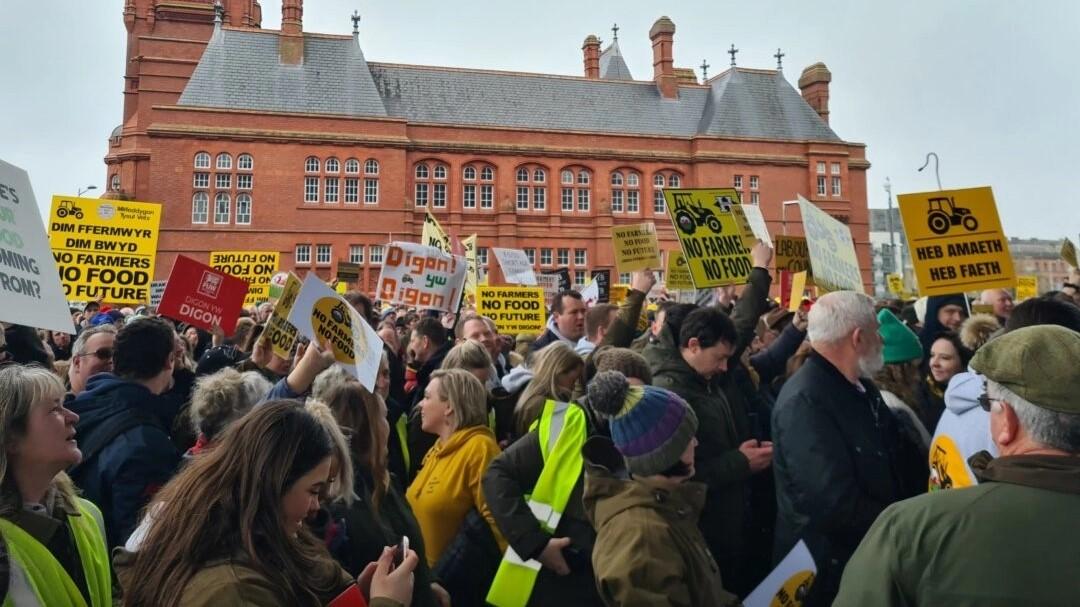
(884, 261)
(292, 141)
(1042, 258)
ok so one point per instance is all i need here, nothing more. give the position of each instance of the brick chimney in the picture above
(814, 84)
(662, 35)
(591, 49)
(291, 39)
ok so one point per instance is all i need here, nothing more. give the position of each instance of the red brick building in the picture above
(291, 141)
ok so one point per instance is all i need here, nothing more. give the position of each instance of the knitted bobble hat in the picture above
(900, 344)
(650, 426)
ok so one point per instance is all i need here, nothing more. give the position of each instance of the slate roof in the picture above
(240, 70)
(612, 64)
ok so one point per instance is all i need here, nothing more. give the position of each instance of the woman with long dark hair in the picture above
(229, 528)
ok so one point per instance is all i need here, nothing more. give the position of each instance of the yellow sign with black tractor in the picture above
(712, 235)
(956, 241)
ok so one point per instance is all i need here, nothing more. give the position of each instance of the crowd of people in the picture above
(924, 454)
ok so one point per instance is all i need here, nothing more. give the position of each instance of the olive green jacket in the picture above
(1012, 540)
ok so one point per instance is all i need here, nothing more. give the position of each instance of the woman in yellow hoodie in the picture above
(447, 487)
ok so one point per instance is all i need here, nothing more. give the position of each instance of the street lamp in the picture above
(86, 189)
(937, 167)
(783, 214)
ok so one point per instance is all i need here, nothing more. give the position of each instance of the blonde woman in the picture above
(556, 370)
(447, 488)
(55, 541)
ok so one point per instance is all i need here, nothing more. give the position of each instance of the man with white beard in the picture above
(838, 455)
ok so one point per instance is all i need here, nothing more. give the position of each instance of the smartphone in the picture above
(401, 550)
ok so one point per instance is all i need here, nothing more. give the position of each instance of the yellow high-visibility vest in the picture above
(562, 432)
(51, 584)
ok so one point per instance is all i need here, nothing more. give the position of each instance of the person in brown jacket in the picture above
(649, 549)
(229, 528)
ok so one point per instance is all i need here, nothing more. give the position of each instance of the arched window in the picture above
(222, 207)
(660, 180)
(311, 165)
(674, 181)
(531, 190)
(576, 188)
(487, 174)
(245, 162)
(200, 207)
(430, 185)
(469, 174)
(202, 160)
(625, 191)
(333, 165)
(243, 209)
(114, 182)
(352, 166)
(224, 162)
(371, 167)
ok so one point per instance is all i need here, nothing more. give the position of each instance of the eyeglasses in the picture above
(985, 401)
(101, 353)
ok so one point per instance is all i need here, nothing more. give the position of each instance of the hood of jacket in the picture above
(931, 326)
(609, 489)
(459, 439)
(661, 349)
(516, 378)
(107, 395)
(963, 392)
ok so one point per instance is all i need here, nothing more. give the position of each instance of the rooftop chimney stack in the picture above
(291, 40)
(591, 48)
(662, 35)
(814, 84)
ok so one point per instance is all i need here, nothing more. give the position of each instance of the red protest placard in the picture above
(202, 296)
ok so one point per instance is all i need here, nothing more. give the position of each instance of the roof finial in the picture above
(732, 51)
(704, 70)
(615, 33)
(356, 23)
(219, 12)
(779, 60)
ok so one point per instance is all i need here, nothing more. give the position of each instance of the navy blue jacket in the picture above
(127, 472)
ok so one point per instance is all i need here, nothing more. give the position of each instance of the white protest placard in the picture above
(322, 315)
(788, 583)
(757, 223)
(550, 282)
(591, 293)
(515, 266)
(30, 289)
(421, 276)
(157, 289)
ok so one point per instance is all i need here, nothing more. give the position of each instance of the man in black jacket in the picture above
(838, 459)
(428, 347)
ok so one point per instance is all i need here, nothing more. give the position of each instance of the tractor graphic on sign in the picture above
(68, 208)
(943, 213)
(690, 214)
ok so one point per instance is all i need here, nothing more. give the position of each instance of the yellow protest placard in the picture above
(514, 309)
(617, 293)
(956, 241)
(256, 267)
(711, 235)
(677, 277)
(1068, 253)
(798, 288)
(104, 249)
(281, 334)
(636, 247)
(433, 235)
(472, 271)
(896, 284)
(793, 255)
(1027, 287)
(832, 252)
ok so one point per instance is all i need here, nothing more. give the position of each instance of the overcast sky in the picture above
(991, 86)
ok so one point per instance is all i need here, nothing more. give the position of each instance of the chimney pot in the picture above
(814, 85)
(662, 35)
(591, 49)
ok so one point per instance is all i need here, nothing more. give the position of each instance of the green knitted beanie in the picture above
(901, 343)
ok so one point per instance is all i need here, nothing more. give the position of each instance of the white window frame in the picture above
(487, 174)
(523, 198)
(245, 181)
(420, 195)
(352, 190)
(371, 166)
(243, 219)
(311, 190)
(531, 254)
(352, 166)
(633, 180)
(522, 175)
(303, 254)
(487, 196)
(736, 182)
(539, 175)
(566, 177)
(222, 181)
(581, 257)
(202, 160)
(438, 195)
(581, 278)
(659, 205)
(439, 172)
(821, 191)
(223, 162)
(200, 180)
(421, 171)
(584, 200)
(371, 190)
(835, 168)
(616, 179)
(356, 253)
(331, 190)
(539, 198)
(562, 257)
(674, 181)
(836, 187)
(333, 165)
(469, 173)
(617, 201)
(567, 198)
(481, 256)
(545, 257)
(755, 181)
(633, 201)
(200, 208)
(114, 182)
(468, 196)
(755, 198)
(821, 167)
(245, 162)
(312, 164)
(375, 254)
(583, 177)
(218, 215)
(323, 254)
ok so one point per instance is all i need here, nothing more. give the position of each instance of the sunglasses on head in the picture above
(985, 401)
(102, 353)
